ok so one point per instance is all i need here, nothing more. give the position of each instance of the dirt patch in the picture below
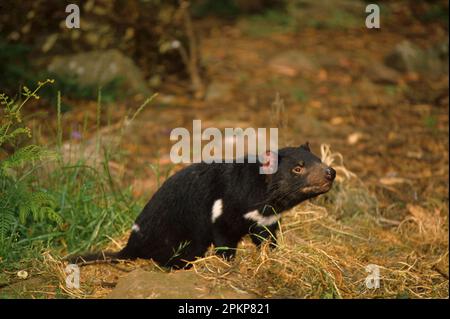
(174, 285)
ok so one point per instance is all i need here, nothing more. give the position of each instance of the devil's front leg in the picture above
(225, 242)
(259, 234)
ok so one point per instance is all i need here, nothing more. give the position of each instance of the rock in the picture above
(441, 50)
(437, 58)
(379, 73)
(98, 68)
(405, 57)
(183, 284)
(408, 58)
(292, 63)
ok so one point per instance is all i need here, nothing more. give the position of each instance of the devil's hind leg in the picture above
(184, 253)
(259, 234)
(224, 243)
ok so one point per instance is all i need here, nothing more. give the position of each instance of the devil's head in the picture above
(300, 175)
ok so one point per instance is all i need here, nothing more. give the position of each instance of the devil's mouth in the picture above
(317, 189)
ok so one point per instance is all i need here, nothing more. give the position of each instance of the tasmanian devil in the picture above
(220, 203)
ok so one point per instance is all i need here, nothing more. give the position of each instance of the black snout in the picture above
(330, 173)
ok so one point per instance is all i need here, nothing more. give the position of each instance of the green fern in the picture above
(40, 205)
(10, 137)
(19, 202)
(11, 114)
(24, 155)
(7, 220)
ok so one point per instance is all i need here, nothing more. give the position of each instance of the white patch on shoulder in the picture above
(216, 210)
(260, 219)
(135, 228)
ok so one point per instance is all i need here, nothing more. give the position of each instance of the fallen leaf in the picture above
(393, 180)
(22, 274)
(316, 104)
(322, 75)
(414, 154)
(337, 120)
(354, 138)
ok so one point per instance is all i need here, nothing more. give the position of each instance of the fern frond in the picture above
(24, 155)
(24, 211)
(37, 206)
(52, 215)
(7, 220)
(40, 205)
(14, 134)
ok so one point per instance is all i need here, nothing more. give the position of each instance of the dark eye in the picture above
(297, 169)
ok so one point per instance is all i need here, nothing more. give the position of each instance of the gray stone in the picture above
(182, 284)
(98, 68)
(379, 73)
(406, 57)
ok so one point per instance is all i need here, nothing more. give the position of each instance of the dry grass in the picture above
(323, 250)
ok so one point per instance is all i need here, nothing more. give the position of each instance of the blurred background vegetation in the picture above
(153, 34)
(145, 31)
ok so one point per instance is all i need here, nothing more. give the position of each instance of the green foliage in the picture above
(70, 87)
(63, 206)
(337, 19)
(24, 155)
(92, 206)
(431, 122)
(37, 25)
(15, 69)
(436, 12)
(13, 64)
(269, 22)
(299, 95)
(18, 202)
(233, 8)
(222, 8)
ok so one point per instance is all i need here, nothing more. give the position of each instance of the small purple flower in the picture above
(76, 135)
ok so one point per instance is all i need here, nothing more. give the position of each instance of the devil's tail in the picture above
(100, 257)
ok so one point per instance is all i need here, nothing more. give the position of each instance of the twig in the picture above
(192, 59)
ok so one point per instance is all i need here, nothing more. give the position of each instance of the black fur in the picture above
(176, 225)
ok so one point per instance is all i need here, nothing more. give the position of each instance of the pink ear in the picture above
(269, 163)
